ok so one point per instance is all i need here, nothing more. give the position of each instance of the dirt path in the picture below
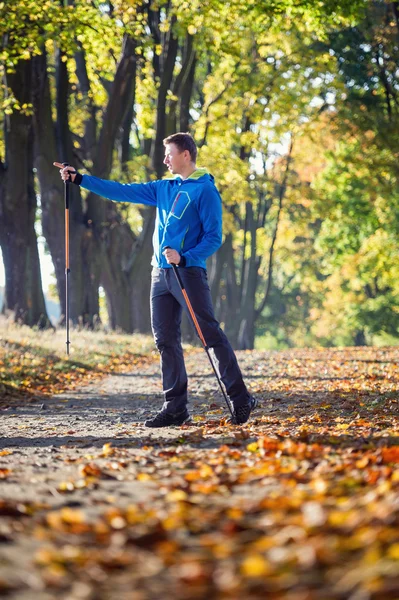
(81, 472)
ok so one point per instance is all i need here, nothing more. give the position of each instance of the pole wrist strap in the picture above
(78, 177)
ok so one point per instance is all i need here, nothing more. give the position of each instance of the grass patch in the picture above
(34, 364)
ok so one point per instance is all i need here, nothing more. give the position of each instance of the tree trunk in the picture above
(185, 98)
(119, 242)
(125, 151)
(52, 197)
(140, 274)
(181, 83)
(360, 338)
(231, 315)
(246, 334)
(216, 265)
(90, 134)
(161, 119)
(23, 292)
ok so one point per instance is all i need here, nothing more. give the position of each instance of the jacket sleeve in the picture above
(137, 193)
(210, 213)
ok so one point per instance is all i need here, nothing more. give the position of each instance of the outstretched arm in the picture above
(137, 193)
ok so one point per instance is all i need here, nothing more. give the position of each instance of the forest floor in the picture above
(300, 503)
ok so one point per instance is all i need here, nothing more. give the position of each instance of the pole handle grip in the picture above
(66, 188)
(176, 270)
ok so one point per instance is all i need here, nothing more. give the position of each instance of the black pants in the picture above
(167, 303)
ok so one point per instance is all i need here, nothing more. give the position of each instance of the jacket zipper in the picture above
(184, 238)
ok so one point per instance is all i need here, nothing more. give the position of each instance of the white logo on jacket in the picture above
(180, 205)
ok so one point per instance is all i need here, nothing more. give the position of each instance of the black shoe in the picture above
(165, 419)
(241, 413)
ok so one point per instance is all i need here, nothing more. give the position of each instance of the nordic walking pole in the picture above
(67, 270)
(200, 334)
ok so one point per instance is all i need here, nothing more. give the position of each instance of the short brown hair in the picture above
(184, 141)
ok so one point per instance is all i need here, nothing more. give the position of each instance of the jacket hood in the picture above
(200, 172)
(200, 175)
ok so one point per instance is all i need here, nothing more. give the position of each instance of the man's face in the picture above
(174, 159)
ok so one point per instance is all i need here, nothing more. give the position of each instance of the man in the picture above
(188, 229)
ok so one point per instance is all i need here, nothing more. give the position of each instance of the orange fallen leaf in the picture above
(390, 455)
(90, 470)
(5, 452)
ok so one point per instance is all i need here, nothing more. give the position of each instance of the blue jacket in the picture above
(188, 217)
